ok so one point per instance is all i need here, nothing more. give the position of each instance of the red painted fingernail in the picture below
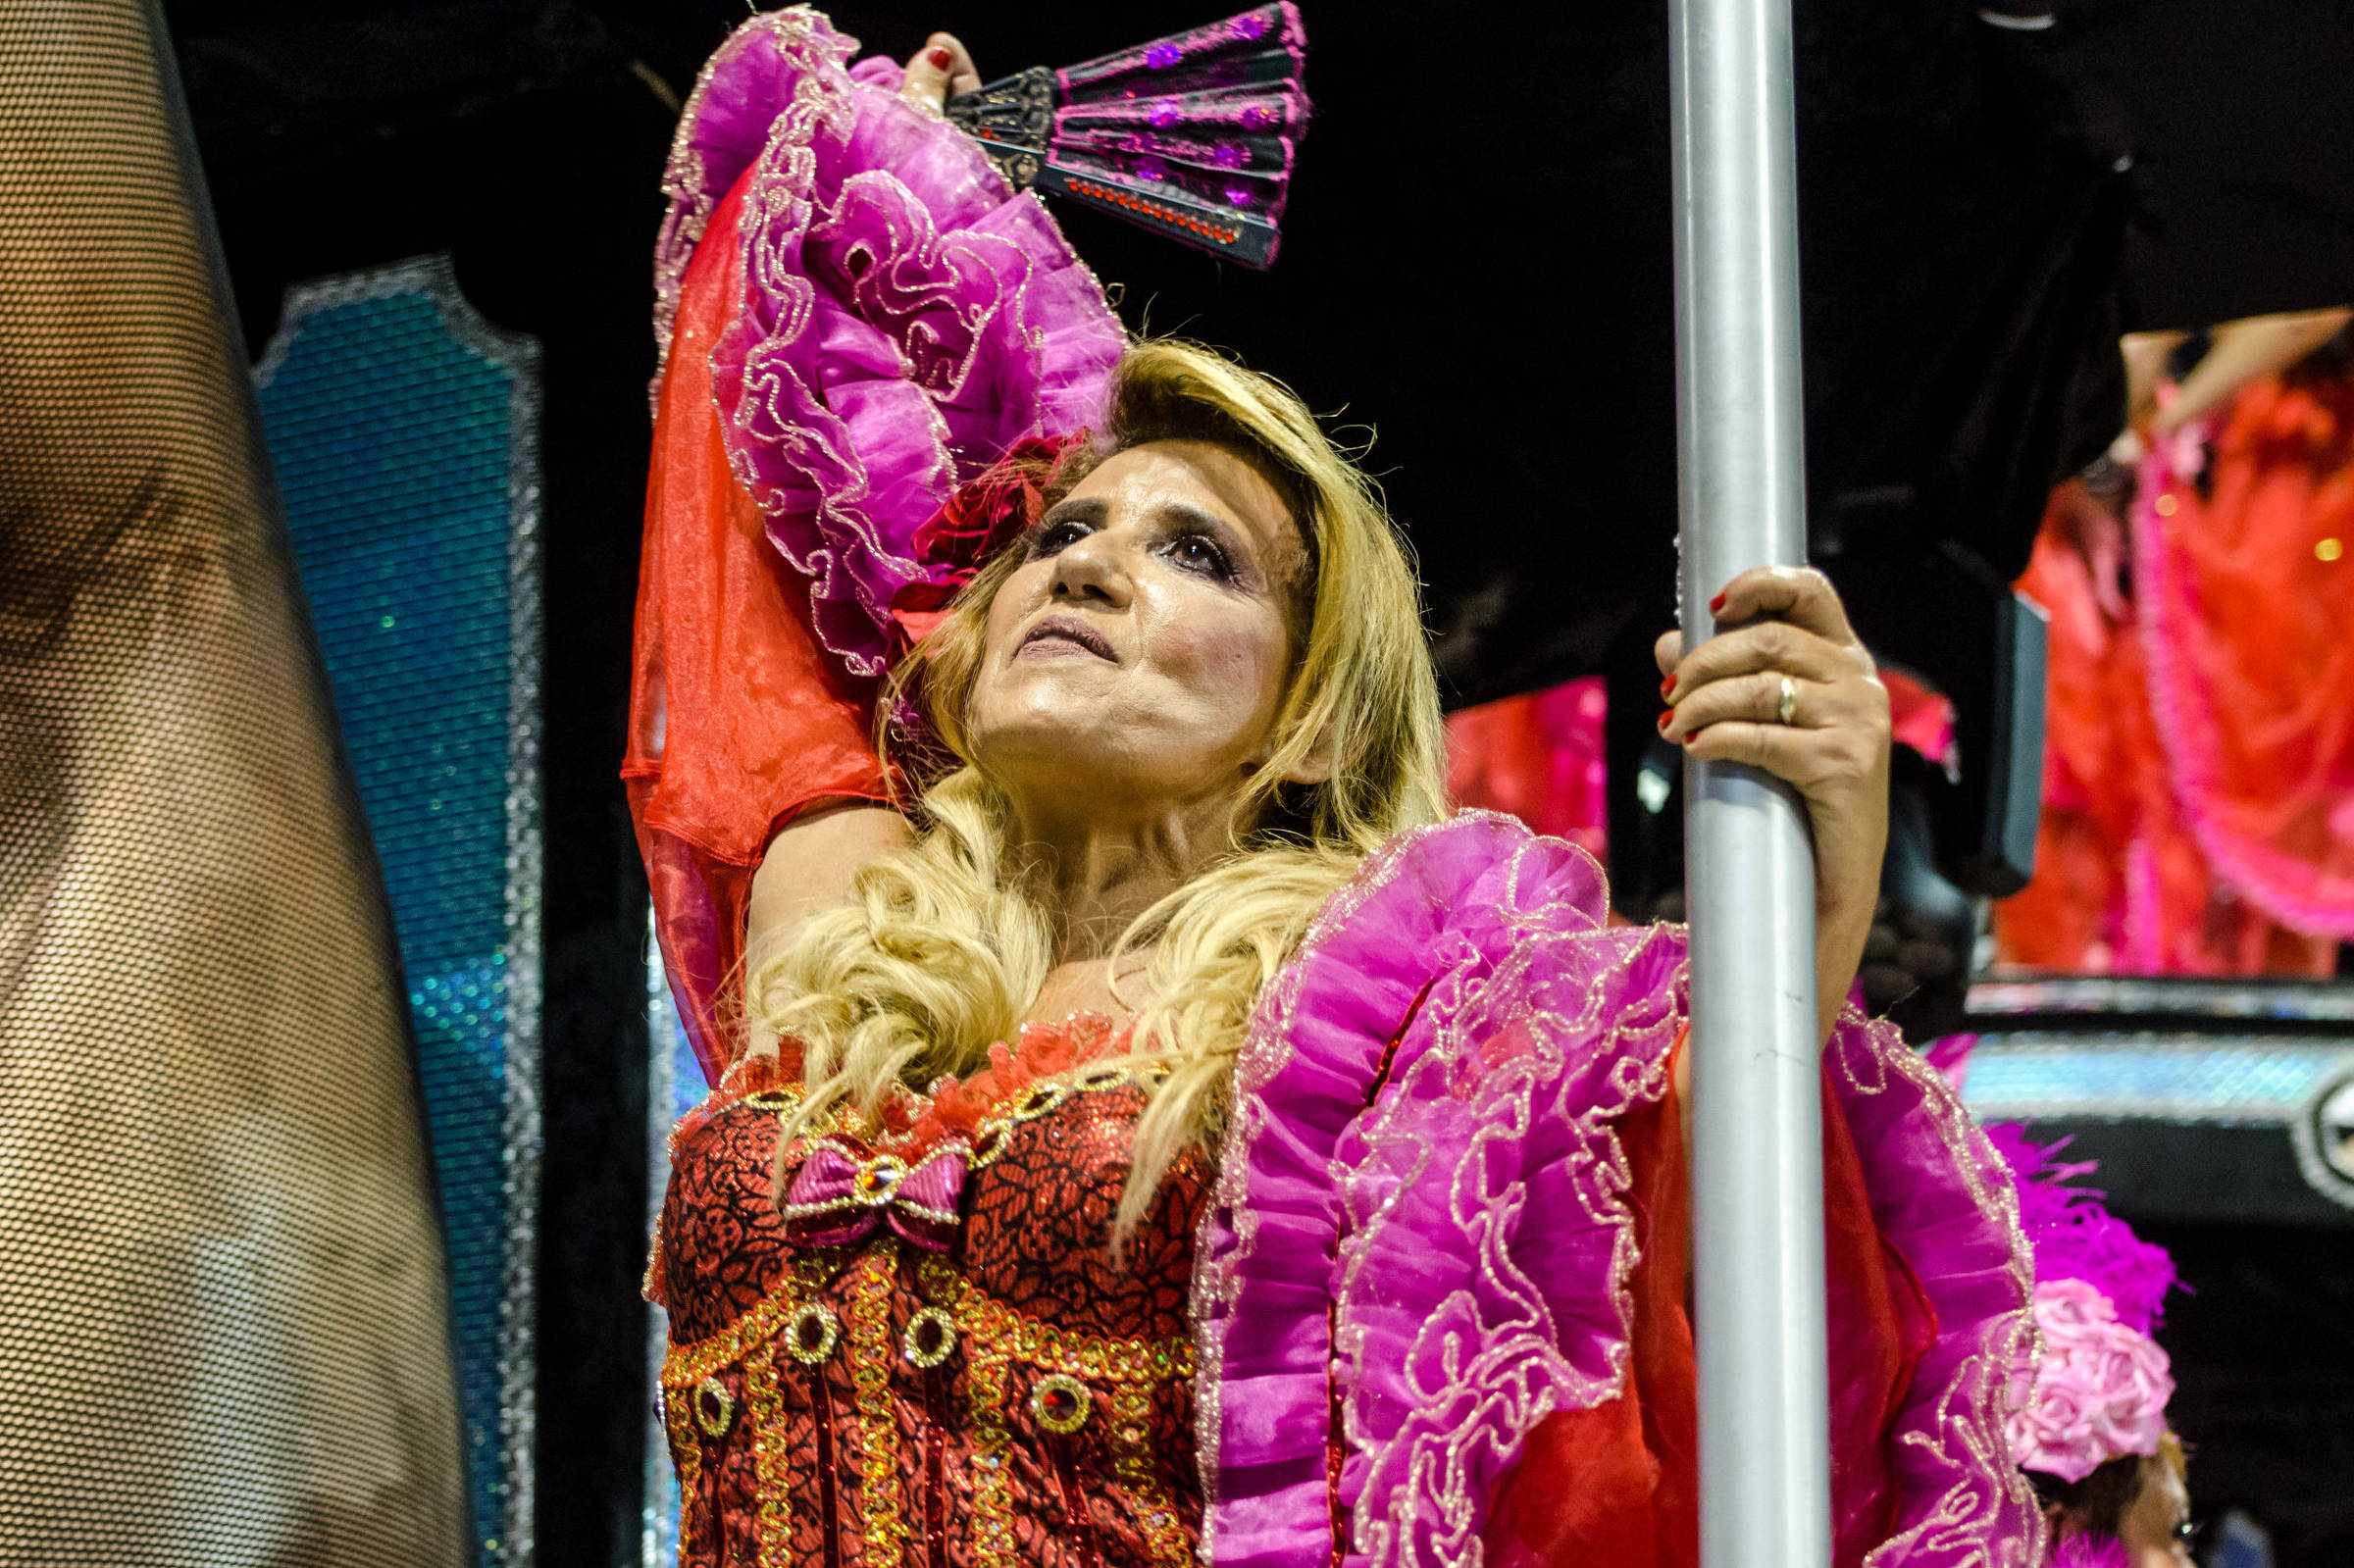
(1667, 689)
(1716, 605)
(938, 57)
(1663, 718)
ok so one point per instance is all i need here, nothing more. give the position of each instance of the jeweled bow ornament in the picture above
(1191, 135)
(844, 1191)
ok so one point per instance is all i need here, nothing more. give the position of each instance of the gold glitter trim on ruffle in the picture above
(653, 1286)
(1978, 1392)
(816, 103)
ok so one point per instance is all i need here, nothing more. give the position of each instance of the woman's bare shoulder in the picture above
(808, 869)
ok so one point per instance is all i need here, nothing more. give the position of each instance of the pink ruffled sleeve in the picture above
(1422, 1242)
(906, 317)
(1942, 1198)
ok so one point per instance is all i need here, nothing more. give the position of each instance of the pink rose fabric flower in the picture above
(2098, 1392)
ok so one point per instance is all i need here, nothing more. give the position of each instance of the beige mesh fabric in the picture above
(223, 1333)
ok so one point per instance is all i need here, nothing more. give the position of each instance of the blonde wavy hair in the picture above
(939, 952)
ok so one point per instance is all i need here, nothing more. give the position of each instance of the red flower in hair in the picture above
(985, 515)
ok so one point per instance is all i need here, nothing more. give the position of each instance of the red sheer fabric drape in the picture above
(737, 720)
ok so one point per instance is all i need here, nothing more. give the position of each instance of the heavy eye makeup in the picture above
(1188, 540)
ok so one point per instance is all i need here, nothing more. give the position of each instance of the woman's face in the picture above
(1135, 660)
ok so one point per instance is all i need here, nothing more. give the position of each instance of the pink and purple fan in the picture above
(1191, 135)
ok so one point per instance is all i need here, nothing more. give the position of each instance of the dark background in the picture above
(1477, 268)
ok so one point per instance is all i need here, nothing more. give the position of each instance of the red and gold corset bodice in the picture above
(870, 1373)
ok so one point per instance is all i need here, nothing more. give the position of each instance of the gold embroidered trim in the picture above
(771, 1439)
(1046, 1347)
(685, 1365)
(880, 1497)
(986, 1367)
(782, 1100)
(996, 1337)
(1041, 1097)
(1132, 1465)
(1047, 1093)
(687, 1452)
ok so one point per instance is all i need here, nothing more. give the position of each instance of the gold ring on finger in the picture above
(1787, 710)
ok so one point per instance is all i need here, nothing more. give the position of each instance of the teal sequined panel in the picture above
(403, 430)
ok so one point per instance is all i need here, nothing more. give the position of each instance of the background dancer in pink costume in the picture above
(2089, 1426)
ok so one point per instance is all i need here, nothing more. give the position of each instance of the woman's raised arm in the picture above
(808, 869)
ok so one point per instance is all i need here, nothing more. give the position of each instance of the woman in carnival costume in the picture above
(2089, 1424)
(1154, 1128)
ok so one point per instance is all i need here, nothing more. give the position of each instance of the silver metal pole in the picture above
(1756, 1177)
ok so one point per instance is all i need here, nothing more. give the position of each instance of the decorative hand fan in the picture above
(1191, 135)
